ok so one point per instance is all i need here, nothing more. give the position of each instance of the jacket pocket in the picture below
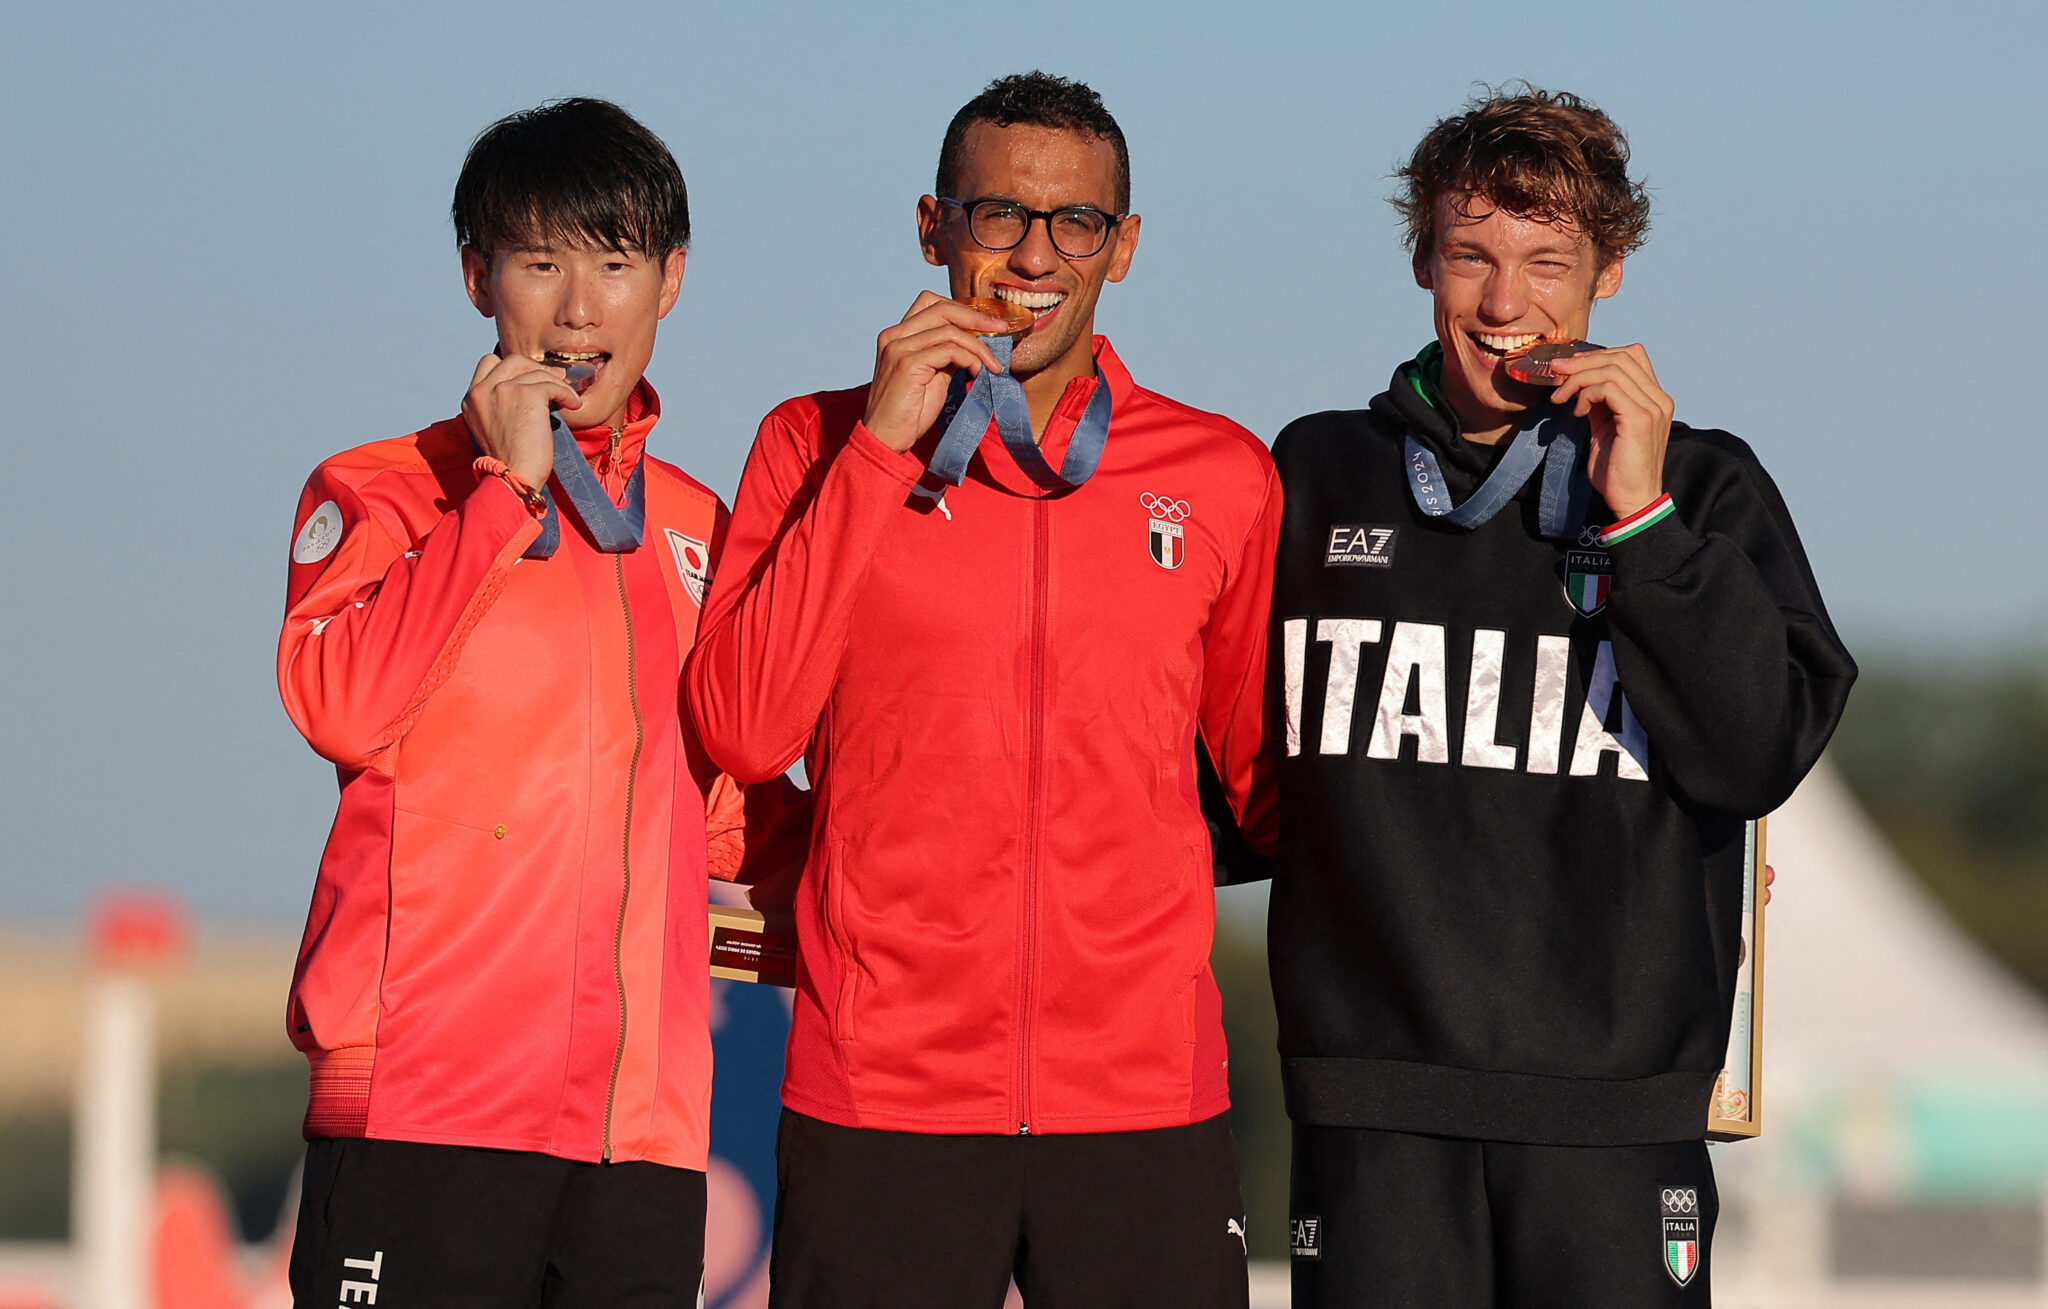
(842, 942)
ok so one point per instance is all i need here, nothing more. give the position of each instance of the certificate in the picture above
(1736, 1110)
(749, 946)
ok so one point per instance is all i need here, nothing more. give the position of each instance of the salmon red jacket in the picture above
(1005, 922)
(507, 942)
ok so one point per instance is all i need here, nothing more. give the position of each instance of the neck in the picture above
(1043, 389)
(1483, 426)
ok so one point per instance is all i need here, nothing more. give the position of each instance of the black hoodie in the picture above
(1508, 895)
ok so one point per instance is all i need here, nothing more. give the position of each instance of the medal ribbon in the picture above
(999, 396)
(1554, 440)
(613, 529)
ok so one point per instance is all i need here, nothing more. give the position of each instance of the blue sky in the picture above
(227, 256)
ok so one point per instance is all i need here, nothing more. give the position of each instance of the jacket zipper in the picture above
(1041, 549)
(625, 845)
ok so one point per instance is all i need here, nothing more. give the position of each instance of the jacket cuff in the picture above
(903, 467)
(1649, 546)
(495, 507)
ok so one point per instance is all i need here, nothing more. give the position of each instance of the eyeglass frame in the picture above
(966, 208)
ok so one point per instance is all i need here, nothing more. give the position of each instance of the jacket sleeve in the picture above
(1235, 724)
(374, 619)
(804, 529)
(1721, 640)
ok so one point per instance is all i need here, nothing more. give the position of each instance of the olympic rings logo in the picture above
(1165, 507)
(1682, 1200)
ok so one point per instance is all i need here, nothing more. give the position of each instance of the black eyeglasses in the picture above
(1077, 231)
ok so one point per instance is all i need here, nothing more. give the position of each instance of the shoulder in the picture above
(1330, 433)
(422, 454)
(1709, 461)
(817, 419)
(676, 482)
(1210, 432)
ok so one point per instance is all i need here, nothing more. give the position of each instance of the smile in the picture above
(1040, 303)
(1505, 345)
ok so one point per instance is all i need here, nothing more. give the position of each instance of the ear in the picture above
(1608, 282)
(931, 216)
(672, 279)
(1126, 247)
(476, 279)
(1425, 276)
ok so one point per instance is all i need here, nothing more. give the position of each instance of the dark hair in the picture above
(1035, 99)
(1546, 155)
(570, 172)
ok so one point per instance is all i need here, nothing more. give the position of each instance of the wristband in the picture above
(536, 503)
(1642, 520)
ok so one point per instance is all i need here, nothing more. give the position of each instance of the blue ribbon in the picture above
(995, 394)
(1554, 440)
(612, 529)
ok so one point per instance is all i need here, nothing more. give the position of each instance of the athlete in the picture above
(1007, 1054)
(1542, 651)
(503, 988)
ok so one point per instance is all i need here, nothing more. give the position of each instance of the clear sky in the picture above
(226, 255)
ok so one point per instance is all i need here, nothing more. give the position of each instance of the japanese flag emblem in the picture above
(1167, 540)
(693, 561)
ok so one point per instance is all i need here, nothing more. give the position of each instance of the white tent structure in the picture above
(1905, 1094)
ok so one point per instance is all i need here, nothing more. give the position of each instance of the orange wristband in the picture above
(536, 503)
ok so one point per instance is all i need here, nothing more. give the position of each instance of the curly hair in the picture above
(1546, 155)
(1035, 99)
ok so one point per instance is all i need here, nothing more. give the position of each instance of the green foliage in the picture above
(1953, 769)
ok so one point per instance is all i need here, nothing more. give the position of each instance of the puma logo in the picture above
(1236, 1228)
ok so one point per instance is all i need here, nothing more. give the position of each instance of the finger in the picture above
(1612, 387)
(960, 315)
(483, 369)
(911, 349)
(924, 299)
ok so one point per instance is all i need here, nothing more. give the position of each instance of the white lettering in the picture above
(1546, 706)
(361, 1292)
(375, 1264)
(1417, 650)
(1632, 751)
(1347, 636)
(1482, 703)
(1293, 666)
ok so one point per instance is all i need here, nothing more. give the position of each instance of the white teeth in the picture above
(575, 356)
(1517, 342)
(1030, 299)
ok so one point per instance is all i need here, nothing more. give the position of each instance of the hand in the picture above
(507, 411)
(1631, 417)
(914, 364)
(1770, 875)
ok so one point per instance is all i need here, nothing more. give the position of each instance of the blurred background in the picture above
(226, 255)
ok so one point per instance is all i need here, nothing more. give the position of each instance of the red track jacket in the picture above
(1005, 922)
(507, 943)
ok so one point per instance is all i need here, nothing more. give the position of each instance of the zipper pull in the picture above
(1023, 1129)
(942, 507)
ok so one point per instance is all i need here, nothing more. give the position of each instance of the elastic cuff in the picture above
(1640, 521)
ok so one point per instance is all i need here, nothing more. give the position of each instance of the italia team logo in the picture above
(1681, 1206)
(693, 561)
(1587, 576)
(1168, 541)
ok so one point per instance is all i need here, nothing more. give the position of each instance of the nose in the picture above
(579, 305)
(1035, 255)
(1505, 298)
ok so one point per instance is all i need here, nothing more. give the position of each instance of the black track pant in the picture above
(868, 1219)
(402, 1224)
(1386, 1220)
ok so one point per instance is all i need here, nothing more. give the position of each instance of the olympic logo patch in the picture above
(1166, 539)
(1681, 1214)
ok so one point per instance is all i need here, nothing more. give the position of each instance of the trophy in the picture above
(1736, 1111)
(750, 946)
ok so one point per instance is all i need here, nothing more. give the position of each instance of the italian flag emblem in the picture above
(1681, 1207)
(1587, 576)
